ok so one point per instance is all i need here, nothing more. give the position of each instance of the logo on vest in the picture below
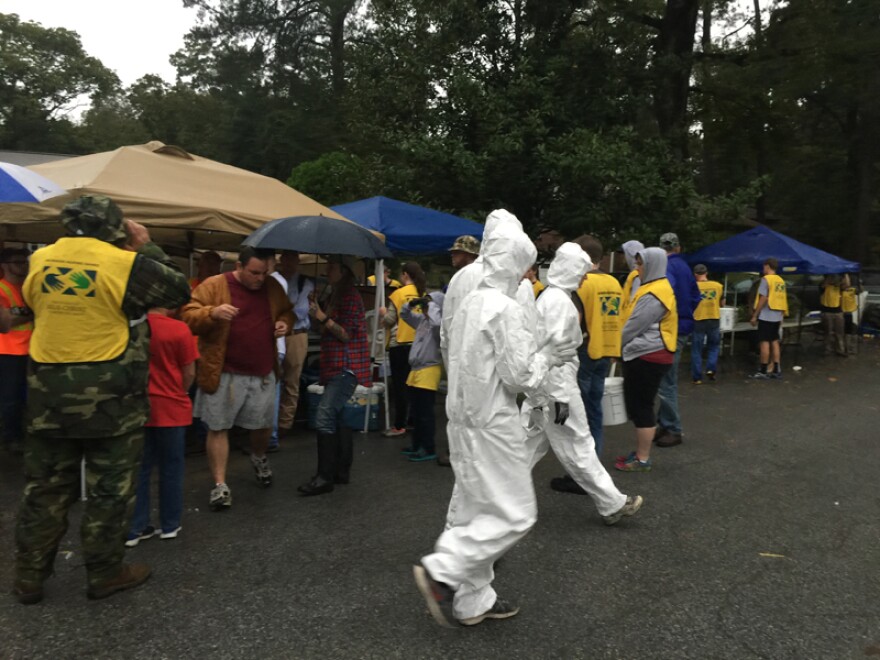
(610, 304)
(68, 281)
(708, 295)
(779, 288)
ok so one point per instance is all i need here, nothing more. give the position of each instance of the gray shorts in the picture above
(244, 401)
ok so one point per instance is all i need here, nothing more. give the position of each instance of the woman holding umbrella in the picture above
(345, 363)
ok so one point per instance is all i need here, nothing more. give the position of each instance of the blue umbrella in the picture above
(318, 234)
(19, 184)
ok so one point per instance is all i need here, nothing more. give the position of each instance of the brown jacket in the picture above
(214, 334)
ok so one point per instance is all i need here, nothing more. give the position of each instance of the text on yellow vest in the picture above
(76, 288)
(662, 290)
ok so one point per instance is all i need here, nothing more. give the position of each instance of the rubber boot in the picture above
(345, 454)
(322, 482)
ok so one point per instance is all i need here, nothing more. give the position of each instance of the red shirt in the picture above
(172, 347)
(250, 349)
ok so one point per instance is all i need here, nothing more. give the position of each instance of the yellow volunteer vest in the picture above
(405, 332)
(662, 290)
(848, 301)
(537, 287)
(830, 296)
(776, 298)
(371, 280)
(16, 341)
(710, 301)
(76, 288)
(626, 301)
(600, 294)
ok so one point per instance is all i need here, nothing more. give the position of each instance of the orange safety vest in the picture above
(18, 339)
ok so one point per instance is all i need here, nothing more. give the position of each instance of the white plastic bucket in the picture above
(728, 318)
(613, 406)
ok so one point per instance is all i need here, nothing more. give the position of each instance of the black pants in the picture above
(641, 380)
(422, 402)
(13, 392)
(398, 356)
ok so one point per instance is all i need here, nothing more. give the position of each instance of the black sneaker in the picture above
(566, 485)
(500, 610)
(438, 597)
(711, 376)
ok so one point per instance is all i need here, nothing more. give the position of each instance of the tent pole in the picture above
(377, 303)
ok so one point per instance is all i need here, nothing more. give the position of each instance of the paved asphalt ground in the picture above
(759, 538)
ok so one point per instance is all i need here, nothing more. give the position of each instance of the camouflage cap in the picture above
(467, 244)
(94, 216)
(669, 241)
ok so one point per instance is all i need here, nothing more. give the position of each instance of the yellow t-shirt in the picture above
(426, 379)
(710, 301)
(405, 332)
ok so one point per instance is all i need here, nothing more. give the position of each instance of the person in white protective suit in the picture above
(555, 417)
(492, 356)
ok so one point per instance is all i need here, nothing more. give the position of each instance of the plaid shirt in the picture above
(354, 355)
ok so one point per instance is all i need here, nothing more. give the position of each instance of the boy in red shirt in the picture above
(173, 355)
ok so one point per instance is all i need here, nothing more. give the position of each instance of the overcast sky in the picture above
(133, 38)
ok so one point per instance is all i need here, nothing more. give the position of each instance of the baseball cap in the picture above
(467, 244)
(700, 269)
(669, 240)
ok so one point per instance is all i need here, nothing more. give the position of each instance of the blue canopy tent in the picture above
(747, 251)
(409, 228)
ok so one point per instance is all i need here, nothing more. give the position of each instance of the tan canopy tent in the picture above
(186, 201)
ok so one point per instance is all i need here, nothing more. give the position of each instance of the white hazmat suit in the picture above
(492, 356)
(571, 441)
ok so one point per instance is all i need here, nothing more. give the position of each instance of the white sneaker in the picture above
(170, 535)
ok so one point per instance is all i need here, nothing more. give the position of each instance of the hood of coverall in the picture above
(568, 267)
(654, 260)
(508, 254)
(499, 219)
(630, 249)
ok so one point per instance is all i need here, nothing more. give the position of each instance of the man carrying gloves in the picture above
(492, 356)
(556, 416)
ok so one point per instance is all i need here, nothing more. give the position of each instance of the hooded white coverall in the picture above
(572, 441)
(492, 357)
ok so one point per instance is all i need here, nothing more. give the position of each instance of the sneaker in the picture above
(172, 534)
(710, 375)
(566, 485)
(134, 539)
(409, 451)
(633, 465)
(438, 596)
(698, 382)
(776, 375)
(422, 455)
(623, 459)
(221, 498)
(130, 576)
(393, 432)
(500, 610)
(759, 375)
(631, 506)
(262, 470)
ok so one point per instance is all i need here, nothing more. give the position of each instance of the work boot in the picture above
(669, 440)
(327, 456)
(344, 454)
(27, 593)
(129, 577)
(659, 433)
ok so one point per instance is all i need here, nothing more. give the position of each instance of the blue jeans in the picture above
(163, 446)
(337, 391)
(591, 381)
(667, 415)
(708, 332)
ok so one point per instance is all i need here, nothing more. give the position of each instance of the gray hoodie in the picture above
(641, 334)
(425, 351)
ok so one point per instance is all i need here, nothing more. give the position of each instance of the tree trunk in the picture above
(709, 185)
(672, 64)
(760, 140)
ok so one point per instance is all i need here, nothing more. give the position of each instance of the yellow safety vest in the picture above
(776, 298)
(662, 290)
(537, 287)
(830, 296)
(405, 332)
(710, 301)
(15, 342)
(391, 284)
(76, 288)
(626, 301)
(848, 301)
(600, 294)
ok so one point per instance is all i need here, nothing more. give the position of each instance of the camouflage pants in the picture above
(52, 472)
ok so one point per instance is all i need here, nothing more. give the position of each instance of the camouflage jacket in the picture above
(104, 399)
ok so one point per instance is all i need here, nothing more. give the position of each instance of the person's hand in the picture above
(281, 328)
(536, 418)
(316, 312)
(383, 311)
(224, 312)
(561, 412)
(754, 320)
(138, 236)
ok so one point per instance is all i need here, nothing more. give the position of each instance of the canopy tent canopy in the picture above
(409, 228)
(186, 201)
(747, 251)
